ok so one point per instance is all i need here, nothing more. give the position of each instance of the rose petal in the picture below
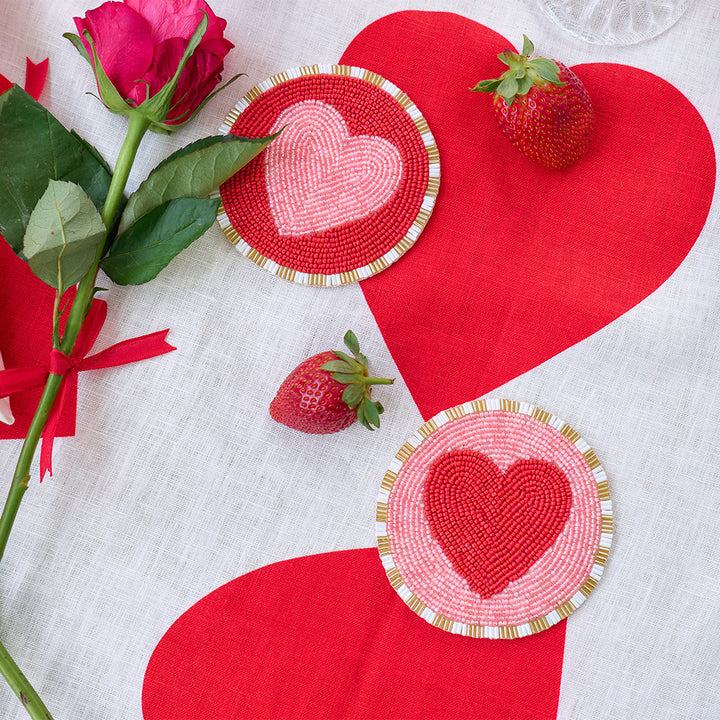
(165, 61)
(219, 47)
(122, 42)
(198, 79)
(177, 18)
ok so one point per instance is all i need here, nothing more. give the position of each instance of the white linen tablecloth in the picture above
(177, 480)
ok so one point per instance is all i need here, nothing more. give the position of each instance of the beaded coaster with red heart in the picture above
(347, 186)
(494, 520)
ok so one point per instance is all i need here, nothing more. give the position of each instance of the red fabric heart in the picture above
(492, 525)
(518, 262)
(326, 636)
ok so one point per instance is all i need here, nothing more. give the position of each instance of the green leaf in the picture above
(337, 366)
(546, 69)
(176, 121)
(508, 87)
(141, 252)
(360, 412)
(487, 86)
(193, 173)
(93, 151)
(35, 148)
(352, 395)
(371, 412)
(102, 162)
(524, 85)
(63, 235)
(351, 342)
(196, 146)
(78, 43)
(345, 378)
(352, 362)
(528, 47)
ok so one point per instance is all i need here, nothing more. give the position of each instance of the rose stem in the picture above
(81, 304)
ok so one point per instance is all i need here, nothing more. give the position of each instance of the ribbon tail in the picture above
(35, 74)
(127, 351)
(50, 432)
(46, 449)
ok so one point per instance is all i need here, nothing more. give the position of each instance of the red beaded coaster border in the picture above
(427, 549)
(406, 237)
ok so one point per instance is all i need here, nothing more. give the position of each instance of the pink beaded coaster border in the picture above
(377, 264)
(556, 585)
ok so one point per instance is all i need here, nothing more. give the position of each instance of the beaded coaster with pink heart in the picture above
(347, 186)
(494, 520)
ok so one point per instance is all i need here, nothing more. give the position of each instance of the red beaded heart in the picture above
(494, 526)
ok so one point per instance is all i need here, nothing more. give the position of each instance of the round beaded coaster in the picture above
(344, 190)
(494, 520)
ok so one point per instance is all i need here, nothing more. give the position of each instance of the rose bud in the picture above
(160, 58)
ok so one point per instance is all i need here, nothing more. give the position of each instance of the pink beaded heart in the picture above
(494, 526)
(319, 176)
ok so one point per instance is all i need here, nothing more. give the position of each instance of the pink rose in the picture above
(140, 44)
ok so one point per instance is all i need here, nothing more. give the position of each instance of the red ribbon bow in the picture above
(18, 379)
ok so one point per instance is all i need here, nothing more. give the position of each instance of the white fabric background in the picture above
(178, 481)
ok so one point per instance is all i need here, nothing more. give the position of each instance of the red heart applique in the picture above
(518, 262)
(492, 525)
(339, 178)
(326, 636)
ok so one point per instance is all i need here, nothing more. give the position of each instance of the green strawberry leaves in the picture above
(522, 74)
(546, 69)
(369, 413)
(528, 47)
(487, 86)
(353, 394)
(353, 372)
(351, 342)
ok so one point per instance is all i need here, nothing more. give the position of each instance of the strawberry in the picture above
(542, 107)
(329, 392)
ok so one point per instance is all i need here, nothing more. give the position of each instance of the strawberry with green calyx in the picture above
(329, 392)
(542, 107)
